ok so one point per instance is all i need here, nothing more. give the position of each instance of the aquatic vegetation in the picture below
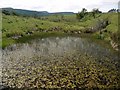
(55, 62)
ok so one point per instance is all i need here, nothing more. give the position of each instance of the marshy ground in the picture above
(55, 62)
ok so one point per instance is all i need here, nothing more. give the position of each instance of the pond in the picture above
(70, 62)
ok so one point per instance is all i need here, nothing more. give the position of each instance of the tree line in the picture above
(84, 13)
(93, 13)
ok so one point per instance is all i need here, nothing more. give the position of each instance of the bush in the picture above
(6, 12)
(81, 14)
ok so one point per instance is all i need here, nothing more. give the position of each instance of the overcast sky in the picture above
(60, 5)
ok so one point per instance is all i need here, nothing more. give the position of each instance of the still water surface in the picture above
(53, 52)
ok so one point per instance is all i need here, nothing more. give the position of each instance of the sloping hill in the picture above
(30, 12)
(20, 29)
(25, 12)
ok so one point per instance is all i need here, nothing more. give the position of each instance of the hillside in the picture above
(60, 50)
(18, 28)
(31, 13)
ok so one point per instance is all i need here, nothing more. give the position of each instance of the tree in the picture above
(118, 10)
(6, 12)
(81, 14)
(95, 11)
(113, 10)
(84, 10)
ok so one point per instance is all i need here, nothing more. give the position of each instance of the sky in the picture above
(60, 5)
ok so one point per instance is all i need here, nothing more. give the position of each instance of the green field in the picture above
(19, 29)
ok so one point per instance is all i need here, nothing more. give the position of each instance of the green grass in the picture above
(18, 25)
(39, 35)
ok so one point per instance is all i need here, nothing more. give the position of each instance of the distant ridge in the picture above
(25, 12)
(31, 12)
(62, 13)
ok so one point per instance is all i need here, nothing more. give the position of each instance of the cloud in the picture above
(60, 5)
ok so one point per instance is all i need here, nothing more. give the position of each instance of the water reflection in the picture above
(58, 61)
(59, 46)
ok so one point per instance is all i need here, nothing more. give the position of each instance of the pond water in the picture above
(60, 62)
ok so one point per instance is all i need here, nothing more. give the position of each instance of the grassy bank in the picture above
(21, 29)
(68, 62)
